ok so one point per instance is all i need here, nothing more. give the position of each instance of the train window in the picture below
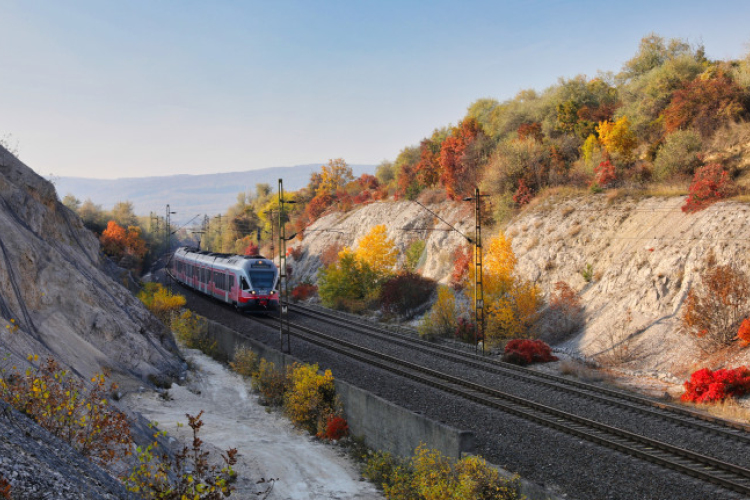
(244, 284)
(262, 279)
(231, 281)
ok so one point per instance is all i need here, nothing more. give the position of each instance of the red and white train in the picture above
(247, 283)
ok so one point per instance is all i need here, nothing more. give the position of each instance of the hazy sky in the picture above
(131, 88)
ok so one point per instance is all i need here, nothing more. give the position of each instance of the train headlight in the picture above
(273, 292)
(252, 292)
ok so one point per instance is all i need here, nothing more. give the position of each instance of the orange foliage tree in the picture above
(744, 332)
(127, 247)
(715, 308)
(461, 157)
(705, 104)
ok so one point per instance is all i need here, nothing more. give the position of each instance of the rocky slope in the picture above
(632, 260)
(52, 285)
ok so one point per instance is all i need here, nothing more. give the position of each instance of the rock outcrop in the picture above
(53, 287)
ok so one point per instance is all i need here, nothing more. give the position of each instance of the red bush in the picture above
(525, 352)
(367, 181)
(523, 194)
(295, 252)
(318, 205)
(710, 184)
(604, 174)
(362, 197)
(706, 386)
(465, 331)
(462, 259)
(336, 428)
(304, 291)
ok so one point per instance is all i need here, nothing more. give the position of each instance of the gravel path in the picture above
(268, 445)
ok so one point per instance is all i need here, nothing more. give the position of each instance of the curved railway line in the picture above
(476, 381)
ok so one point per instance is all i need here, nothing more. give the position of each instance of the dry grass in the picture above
(567, 211)
(580, 371)
(667, 190)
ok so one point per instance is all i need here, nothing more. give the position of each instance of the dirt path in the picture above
(268, 445)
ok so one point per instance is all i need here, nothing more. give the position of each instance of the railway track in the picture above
(679, 415)
(726, 475)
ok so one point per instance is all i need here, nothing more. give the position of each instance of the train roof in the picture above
(224, 258)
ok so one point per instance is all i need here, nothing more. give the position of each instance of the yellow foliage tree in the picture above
(618, 137)
(511, 303)
(442, 319)
(333, 177)
(311, 397)
(378, 251)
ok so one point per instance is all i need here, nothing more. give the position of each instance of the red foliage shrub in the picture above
(525, 352)
(304, 291)
(251, 249)
(344, 200)
(318, 205)
(744, 332)
(295, 252)
(336, 428)
(465, 331)
(461, 258)
(459, 161)
(523, 194)
(706, 386)
(604, 174)
(381, 193)
(405, 292)
(710, 184)
(362, 197)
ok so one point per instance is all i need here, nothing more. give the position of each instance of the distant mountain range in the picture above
(188, 195)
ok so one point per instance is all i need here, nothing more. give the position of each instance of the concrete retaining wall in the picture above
(384, 425)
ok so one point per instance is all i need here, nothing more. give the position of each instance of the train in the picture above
(249, 283)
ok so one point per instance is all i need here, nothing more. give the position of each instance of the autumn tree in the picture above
(378, 251)
(349, 283)
(705, 104)
(618, 138)
(334, 177)
(126, 247)
(512, 303)
(717, 305)
(462, 155)
(564, 314)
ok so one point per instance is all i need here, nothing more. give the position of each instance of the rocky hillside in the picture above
(54, 288)
(632, 260)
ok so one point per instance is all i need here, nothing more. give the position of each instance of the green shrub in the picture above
(245, 362)
(192, 331)
(414, 254)
(270, 382)
(678, 155)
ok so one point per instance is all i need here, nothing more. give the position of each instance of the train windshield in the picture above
(262, 279)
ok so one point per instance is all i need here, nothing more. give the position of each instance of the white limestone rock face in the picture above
(405, 221)
(643, 255)
(53, 286)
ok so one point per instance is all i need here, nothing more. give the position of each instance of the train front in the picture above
(260, 291)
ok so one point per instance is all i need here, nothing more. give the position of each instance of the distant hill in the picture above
(188, 195)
